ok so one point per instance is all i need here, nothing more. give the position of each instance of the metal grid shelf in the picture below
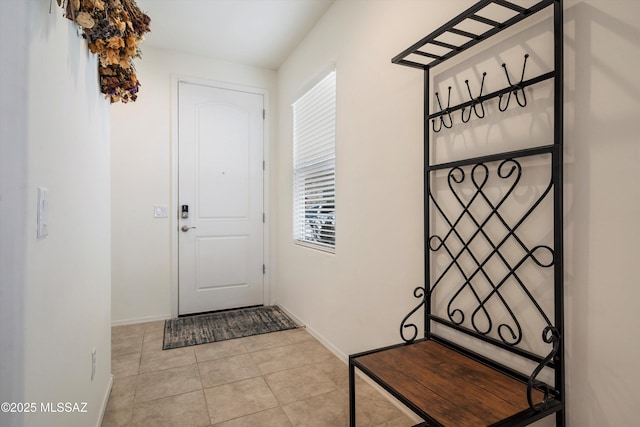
(426, 46)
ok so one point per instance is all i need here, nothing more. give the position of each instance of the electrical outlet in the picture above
(93, 363)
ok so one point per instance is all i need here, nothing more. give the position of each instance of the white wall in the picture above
(355, 299)
(602, 155)
(13, 183)
(141, 178)
(55, 134)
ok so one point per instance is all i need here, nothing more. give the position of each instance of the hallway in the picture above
(280, 379)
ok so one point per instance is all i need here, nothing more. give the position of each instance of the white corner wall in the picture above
(55, 300)
(355, 299)
(143, 278)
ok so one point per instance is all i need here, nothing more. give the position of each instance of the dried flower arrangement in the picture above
(113, 29)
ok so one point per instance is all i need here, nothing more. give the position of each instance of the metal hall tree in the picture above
(493, 276)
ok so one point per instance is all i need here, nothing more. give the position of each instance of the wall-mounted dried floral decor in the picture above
(114, 30)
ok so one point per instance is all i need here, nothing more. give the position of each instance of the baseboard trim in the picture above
(140, 320)
(332, 348)
(345, 359)
(105, 401)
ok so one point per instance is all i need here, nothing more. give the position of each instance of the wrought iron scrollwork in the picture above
(509, 332)
(421, 294)
(550, 335)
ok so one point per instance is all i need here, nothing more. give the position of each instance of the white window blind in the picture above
(314, 165)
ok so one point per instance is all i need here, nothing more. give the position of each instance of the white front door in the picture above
(220, 197)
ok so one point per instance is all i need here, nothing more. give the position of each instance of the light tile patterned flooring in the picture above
(274, 380)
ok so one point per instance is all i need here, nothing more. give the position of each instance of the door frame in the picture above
(174, 206)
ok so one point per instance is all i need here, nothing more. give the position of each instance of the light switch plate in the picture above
(161, 211)
(43, 212)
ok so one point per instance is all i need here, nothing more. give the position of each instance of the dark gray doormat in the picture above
(224, 325)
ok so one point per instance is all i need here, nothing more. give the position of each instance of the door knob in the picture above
(185, 228)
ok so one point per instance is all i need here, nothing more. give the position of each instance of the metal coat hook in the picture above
(474, 102)
(446, 110)
(514, 88)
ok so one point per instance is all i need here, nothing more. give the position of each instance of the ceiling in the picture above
(260, 33)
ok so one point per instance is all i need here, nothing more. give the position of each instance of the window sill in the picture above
(309, 245)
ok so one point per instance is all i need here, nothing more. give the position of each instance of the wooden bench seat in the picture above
(445, 387)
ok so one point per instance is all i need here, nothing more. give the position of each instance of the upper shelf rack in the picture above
(450, 27)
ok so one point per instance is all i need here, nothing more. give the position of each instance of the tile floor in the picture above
(274, 380)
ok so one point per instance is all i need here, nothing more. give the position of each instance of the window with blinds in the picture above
(314, 166)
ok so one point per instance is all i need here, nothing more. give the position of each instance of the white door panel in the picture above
(228, 256)
(223, 168)
(220, 179)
